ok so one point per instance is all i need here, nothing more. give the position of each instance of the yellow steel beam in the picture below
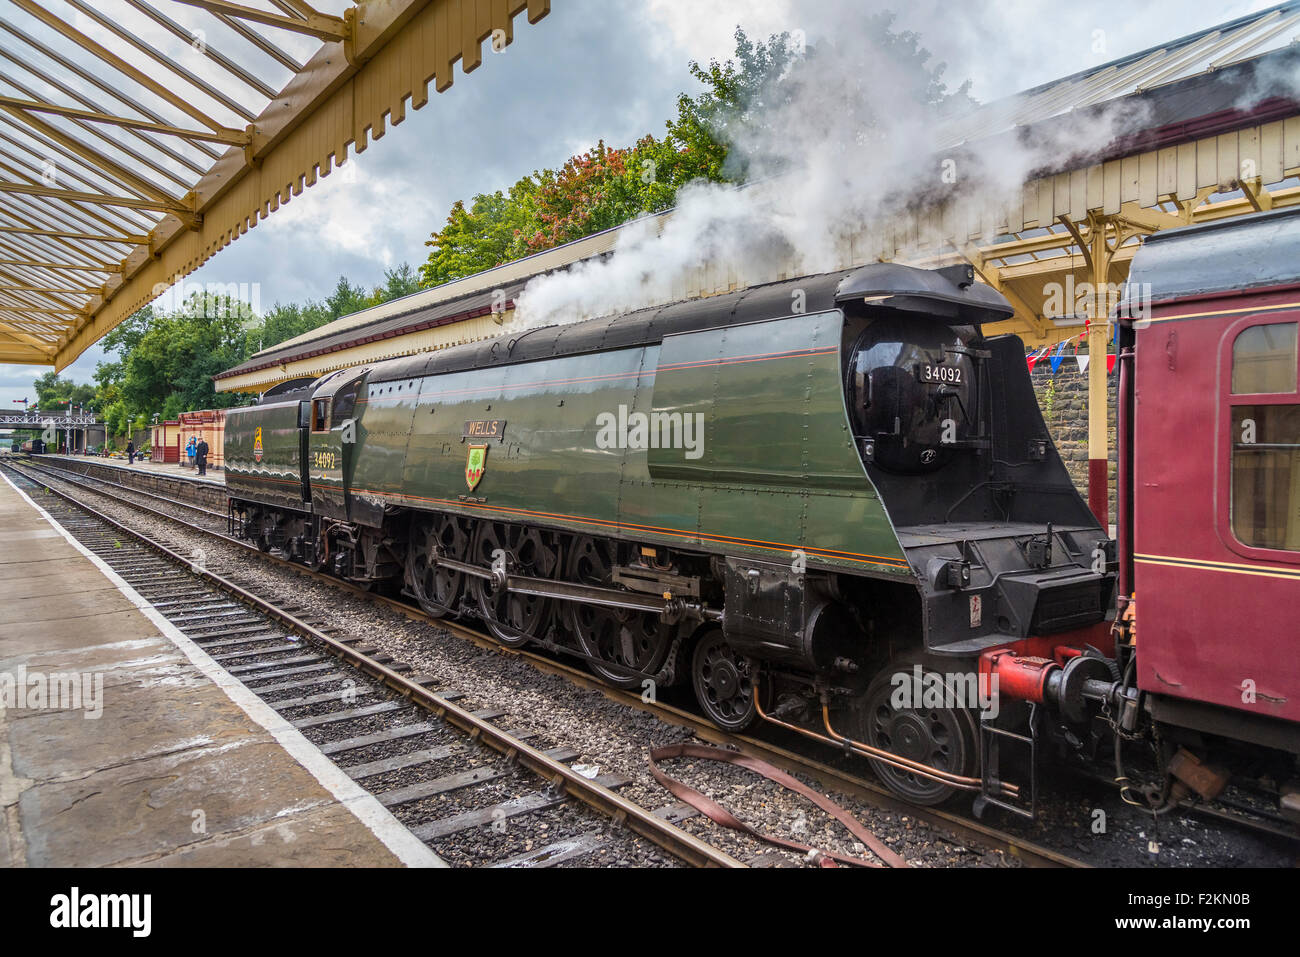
(99, 199)
(992, 275)
(1151, 220)
(110, 24)
(9, 330)
(128, 239)
(206, 48)
(1059, 265)
(74, 267)
(346, 95)
(1098, 343)
(73, 291)
(225, 135)
(92, 158)
(6, 307)
(116, 62)
(22, 354)
(257, 40)
(52, 56)
(1027, 247)
(1259, 198)
(317, 25)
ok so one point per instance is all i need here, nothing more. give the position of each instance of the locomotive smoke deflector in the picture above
(950, 293)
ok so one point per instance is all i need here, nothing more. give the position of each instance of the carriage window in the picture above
(320, 417)
(1266, 475)
(1264, 360)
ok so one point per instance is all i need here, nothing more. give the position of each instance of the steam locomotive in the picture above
(829, 504)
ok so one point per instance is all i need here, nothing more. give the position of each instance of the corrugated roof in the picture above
(1205, 51)
(413, 319)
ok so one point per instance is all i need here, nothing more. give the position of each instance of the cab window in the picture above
(345, 402)
(1265, 466)
(320, 415)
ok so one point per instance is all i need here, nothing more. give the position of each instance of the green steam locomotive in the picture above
(797, 497)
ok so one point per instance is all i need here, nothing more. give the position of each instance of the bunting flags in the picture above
(1056, 356)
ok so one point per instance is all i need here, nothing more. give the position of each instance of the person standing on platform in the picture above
(130, 453)
(189, 452)
(201, 456)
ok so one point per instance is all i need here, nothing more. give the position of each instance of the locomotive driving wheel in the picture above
(513, 617)
(612, 637)
(436, 587)
(901, 715)
(724, 682)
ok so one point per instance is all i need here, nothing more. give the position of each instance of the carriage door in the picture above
(332, 441)
(304, 447)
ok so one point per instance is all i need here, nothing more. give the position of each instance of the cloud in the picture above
(705, 31)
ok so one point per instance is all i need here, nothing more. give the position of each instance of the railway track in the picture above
(449, 773)
(211, 524)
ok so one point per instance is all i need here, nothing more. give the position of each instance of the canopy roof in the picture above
(140, 137)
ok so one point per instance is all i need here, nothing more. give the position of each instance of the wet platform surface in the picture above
(154, 756)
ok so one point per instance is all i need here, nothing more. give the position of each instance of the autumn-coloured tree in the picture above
(711, 139)
(607, 186)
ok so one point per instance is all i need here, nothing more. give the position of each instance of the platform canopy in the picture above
(140, 137)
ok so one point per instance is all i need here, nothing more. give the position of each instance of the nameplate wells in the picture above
(482, 429)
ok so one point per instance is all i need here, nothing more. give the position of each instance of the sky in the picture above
(613, 69)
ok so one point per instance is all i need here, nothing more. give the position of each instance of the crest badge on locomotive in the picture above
(475, 465)
(257, 444)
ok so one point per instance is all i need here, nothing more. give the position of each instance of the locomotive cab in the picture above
(949, 431)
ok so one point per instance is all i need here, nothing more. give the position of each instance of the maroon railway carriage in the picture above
(1210, 441)
(1206, 659)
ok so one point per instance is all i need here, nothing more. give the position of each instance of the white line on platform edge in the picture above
(394, 835)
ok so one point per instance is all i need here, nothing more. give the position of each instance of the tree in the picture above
(592, 192)
(345, 300)
(736, 93)
(607, 186)
(124, 337)
(170, 369)
(490, 232)
(283, 323)
(398, 282)
(56, 394)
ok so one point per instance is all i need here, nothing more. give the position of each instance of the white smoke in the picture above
(1278, 76)
(852, 137)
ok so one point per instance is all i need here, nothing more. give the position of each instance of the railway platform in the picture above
(170, 470)
(123, 744)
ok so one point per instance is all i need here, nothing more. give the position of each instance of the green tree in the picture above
(591, 192)
(345, 300)
(398, 282)
(283, 323)
(126, 335)
(736, 93)
(492, 231)
(56, 394)
(170, 369)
